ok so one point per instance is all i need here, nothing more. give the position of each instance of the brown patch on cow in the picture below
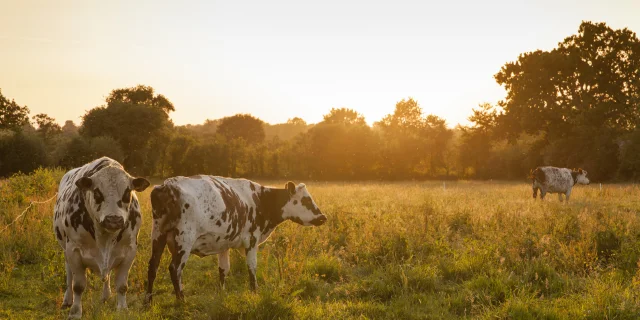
(126, 196)
(574, 176)
(80, 217)
(98, 196)
(78, 288)
(539, 175)
(269, 208)
(157, 248)
(165, 202)
(252, 241)
(308, 203)
(134, 214)
(122, 289)
(236, 210)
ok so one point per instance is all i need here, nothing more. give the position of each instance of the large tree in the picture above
(133, 117)
(587, 87)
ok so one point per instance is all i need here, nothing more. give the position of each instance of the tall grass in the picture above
(404, 250)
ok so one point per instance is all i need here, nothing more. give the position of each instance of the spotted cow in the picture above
(556, 180)
(96, 222)
(207, 215)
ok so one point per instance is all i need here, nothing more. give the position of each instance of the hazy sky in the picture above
(279, 59)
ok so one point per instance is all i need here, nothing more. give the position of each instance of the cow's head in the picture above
(580, 176)
(301, 208)
(107, 196)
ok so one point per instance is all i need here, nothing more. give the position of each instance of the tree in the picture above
(138, 95)
(47, 126)
(69, 128)
(586, 87)
(343, 116)
(296, 121)
(12, 116)
(20, 152)
(414, 145)
(133, 117)
(242, 126)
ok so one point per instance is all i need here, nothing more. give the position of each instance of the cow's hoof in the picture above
(75, 312)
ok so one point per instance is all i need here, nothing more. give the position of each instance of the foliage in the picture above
(242, 126)
(133, 117)
(12, 116)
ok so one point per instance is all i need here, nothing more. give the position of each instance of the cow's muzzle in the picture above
(319, 220)
(113, 222)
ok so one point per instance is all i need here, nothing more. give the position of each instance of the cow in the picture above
(96, 222)
(556, 180)
(206, 215)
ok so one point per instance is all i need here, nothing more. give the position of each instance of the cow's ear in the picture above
(291, 187)
(580, 170)
(84, 183)
(140, 184)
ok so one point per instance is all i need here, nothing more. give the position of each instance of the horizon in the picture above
(214, 60)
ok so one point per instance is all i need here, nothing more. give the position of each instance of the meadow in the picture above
(390, 250)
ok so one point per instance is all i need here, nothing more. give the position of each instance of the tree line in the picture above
(576, 105)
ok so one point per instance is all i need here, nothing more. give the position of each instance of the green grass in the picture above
(406, 250)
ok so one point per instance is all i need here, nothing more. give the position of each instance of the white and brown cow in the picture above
(96, 222)
(207, 215)
(556, 180)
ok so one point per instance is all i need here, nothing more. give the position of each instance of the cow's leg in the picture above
(106, 289)
(535, 192)
(122, 275)
(179, 255)
(568, 194)
(252, 263)
(560, 197)
(68, 294)
(224, 265)
(79, 283)
(157, 248)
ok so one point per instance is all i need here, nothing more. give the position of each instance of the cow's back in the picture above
(204, 204)
(557, 179)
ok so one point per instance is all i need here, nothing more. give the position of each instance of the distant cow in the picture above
(207, 215)
(556, 180)
(96, 222)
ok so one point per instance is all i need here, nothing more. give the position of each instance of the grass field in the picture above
(406, 250)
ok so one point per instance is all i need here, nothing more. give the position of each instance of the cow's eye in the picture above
(98, 196)
(126, 197)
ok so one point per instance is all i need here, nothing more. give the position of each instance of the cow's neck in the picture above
(272, 201)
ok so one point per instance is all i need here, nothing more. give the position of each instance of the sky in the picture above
(280, 59)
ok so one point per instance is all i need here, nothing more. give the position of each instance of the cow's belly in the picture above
(213, 243)
(557, 189)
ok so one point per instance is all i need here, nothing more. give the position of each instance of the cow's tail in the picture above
(163, 203)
